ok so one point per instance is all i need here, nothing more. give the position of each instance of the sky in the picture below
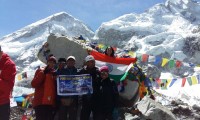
(16, 14)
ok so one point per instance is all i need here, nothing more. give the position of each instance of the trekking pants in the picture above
(44, 112)
(5, 111)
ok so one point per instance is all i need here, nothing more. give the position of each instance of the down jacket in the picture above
(7, 78)
(45, 88)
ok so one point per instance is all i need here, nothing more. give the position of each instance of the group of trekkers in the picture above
(48, 105)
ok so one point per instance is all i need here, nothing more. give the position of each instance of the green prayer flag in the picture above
(171, 63)
(189, 80)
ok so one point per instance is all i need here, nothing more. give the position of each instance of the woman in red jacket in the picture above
(45, 90)
(7, 79)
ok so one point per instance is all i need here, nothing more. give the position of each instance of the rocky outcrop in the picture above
(153, 110)
(62, 47)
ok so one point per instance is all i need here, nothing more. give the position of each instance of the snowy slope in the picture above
(161, 30)
(24, 44)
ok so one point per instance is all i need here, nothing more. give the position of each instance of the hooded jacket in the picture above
(7, 78)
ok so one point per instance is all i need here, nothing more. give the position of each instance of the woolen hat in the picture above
(104, 68)
(89, 58)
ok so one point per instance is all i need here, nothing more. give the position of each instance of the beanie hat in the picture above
(89, 58)
(104, 68)
(52, 58)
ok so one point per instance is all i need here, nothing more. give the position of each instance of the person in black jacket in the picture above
(68, 107)
(89, 101)
(108, 95)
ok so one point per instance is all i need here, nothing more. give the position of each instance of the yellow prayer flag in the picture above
(164, 61)
(100, 46)
(24, 103)
(19, 76)
(194, 80)
(132, 54)
(168, 82)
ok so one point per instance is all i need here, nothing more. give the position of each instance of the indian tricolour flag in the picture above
(118, 67)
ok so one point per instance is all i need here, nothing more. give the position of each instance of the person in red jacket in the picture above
(45, 90)
(7, 80)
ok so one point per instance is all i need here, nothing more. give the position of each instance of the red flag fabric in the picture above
(183, 82)
(145, 57)
(178, 64)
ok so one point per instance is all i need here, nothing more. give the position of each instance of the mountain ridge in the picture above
(157, 31)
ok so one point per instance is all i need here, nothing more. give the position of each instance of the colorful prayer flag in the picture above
(145, 57)
(164, 61)
(189, 80)
(169, 81)
(158, 60)
(151, 59)
(132, 54)
(171, 63)
(178, 64)
(194, 80)
(173, 81)
(183, 82)
(198, 78)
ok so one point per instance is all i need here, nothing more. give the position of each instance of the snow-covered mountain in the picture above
(167, 29)
(24, 44)
(170, 29)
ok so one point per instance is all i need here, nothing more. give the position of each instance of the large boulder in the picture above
(62, 47)
(154, 111)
